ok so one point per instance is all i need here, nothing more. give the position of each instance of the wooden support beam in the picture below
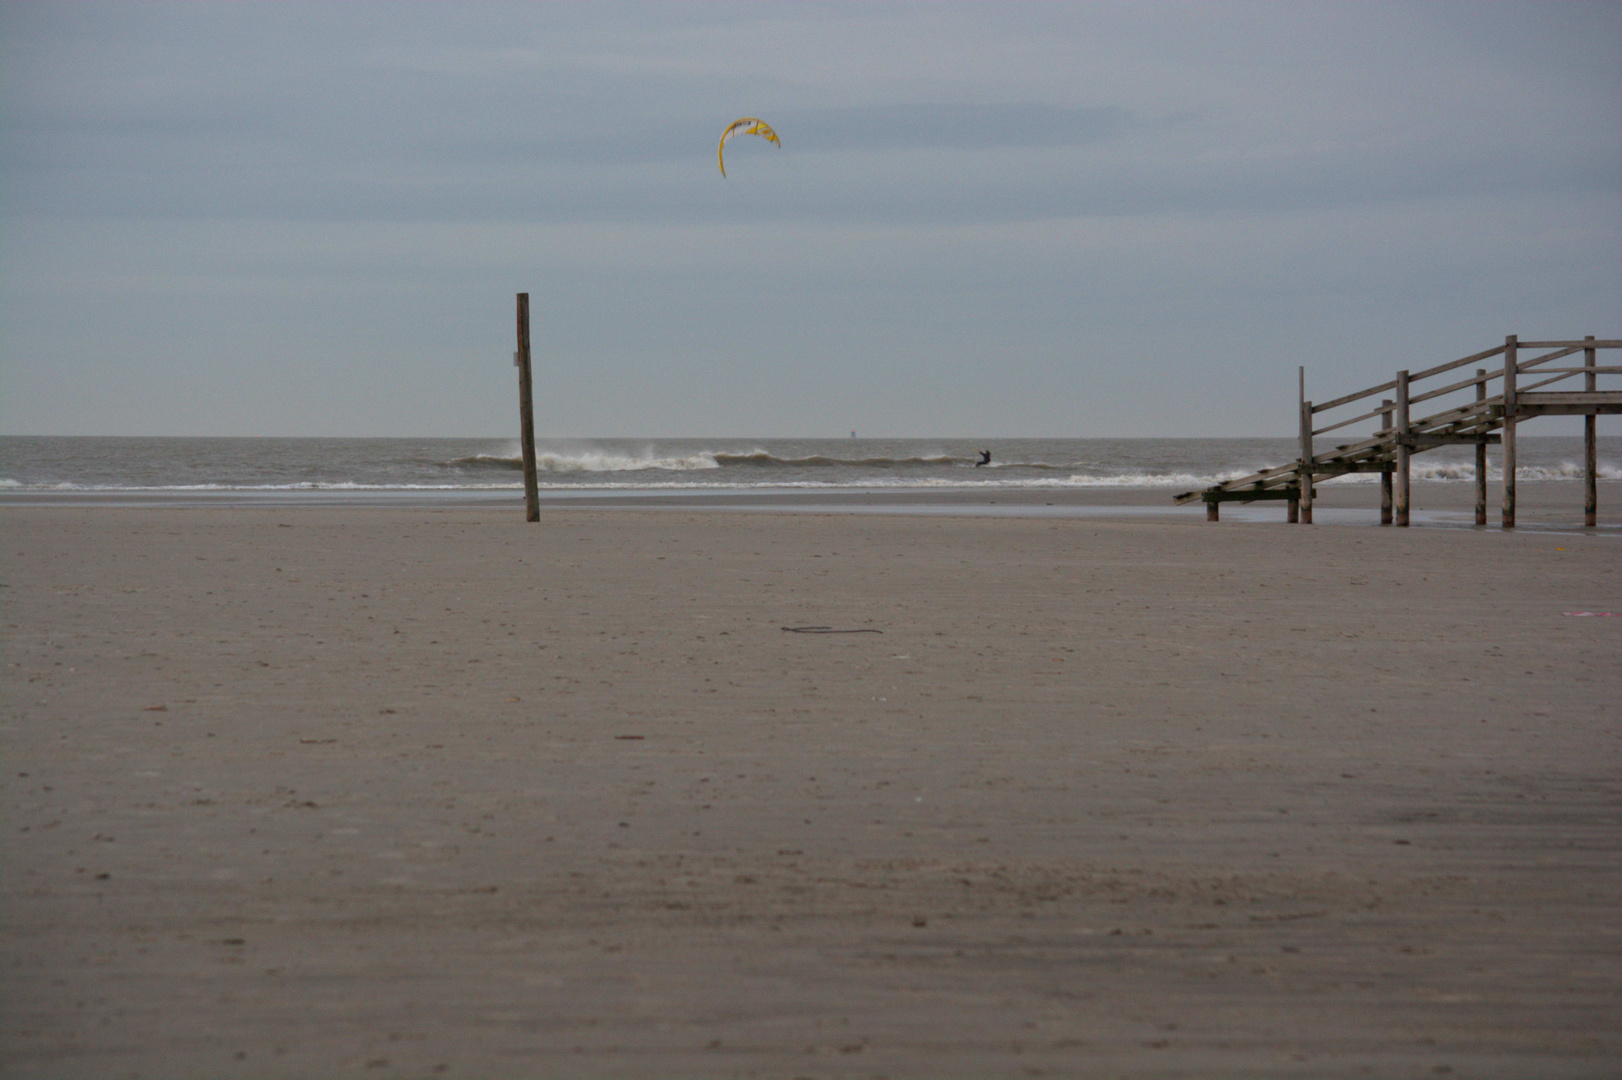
(1385, 474)
(1577, 400)
(1347, 468)
(1590, 443)
(1305, 483)
(1584, 370)
(1211, 511)
(526, 413)
(1511, 370)
(1481, 456)
(1404, 451)
(1253, 495)
(1526, 410)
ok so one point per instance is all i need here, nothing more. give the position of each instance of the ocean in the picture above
(1158, 468)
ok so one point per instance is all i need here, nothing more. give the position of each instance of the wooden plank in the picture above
(1585, 343)
(1539, 361)
(1479, 414)
(1353, 467)
(1248, 496)
(1579, 371)
(1337, 402)
(1431, 442)
(1474, 358)
(1464, 413)
(1448, 389)
(1427, 373)
(1363, 448)
(1347, 423)
(1568, 397)
(1266, 476)
(1609, 409)
(1523, 389)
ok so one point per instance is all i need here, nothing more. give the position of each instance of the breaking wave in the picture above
(1465, 472)
(1166, 467)
(592, 461)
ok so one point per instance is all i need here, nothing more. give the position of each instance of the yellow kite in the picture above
(747, 126)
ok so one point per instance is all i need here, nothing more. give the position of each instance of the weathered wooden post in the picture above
(1511, 369)
(1385, 473)
(1405, 450)
(1305, 494)
(1590, 447)
(1481, 454)
(526, 413)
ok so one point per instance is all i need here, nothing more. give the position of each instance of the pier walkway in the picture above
(1484, 418)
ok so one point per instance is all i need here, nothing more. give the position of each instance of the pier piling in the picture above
(526, 413)
(1590, 439)
(1511, 369)
(1405, 450)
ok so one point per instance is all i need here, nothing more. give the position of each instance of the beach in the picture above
(418, 789)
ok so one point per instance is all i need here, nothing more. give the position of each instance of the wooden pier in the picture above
(1482, 418)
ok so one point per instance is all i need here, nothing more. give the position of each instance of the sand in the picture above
(418, 791)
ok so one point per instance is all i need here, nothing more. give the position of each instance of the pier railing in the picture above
(1479, 410)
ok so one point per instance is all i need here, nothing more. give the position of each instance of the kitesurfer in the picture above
(985, 459)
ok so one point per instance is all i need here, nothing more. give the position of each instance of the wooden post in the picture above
(1292, 510)
(526, 413)
(1404, 451)
(1590, 446)
(1385, 474)
(1481, 455)
(1511, 369)
(1305, 494)
(1211, 511)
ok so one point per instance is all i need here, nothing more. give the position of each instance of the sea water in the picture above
(1159, 468)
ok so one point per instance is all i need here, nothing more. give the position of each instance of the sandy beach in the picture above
(420, 791)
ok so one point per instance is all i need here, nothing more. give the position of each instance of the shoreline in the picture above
(1542, 506)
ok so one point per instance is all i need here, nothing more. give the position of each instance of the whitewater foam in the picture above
(592, 462)
(30, 464)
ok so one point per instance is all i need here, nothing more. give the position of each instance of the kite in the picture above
(747, 126)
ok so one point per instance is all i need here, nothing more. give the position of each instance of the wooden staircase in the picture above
(1484, 418)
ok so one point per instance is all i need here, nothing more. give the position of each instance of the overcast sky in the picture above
(984, 219)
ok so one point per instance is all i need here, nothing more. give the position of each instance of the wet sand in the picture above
(427, 791)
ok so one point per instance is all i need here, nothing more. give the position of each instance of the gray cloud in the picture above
(1062, 172)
